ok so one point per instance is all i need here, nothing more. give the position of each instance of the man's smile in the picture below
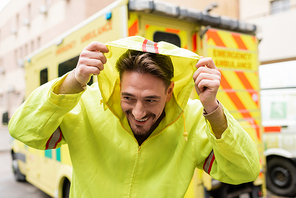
(141, 120)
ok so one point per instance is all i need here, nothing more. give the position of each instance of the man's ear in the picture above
(170, 91)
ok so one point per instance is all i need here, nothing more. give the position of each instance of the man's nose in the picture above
(138, 111)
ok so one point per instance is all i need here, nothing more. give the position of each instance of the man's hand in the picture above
(91, 62)
(207, 81)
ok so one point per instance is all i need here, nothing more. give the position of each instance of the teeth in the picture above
(142, 120)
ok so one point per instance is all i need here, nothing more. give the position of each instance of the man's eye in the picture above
(127, 98)
(150, 101)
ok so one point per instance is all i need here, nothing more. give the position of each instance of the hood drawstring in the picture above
(185, 134)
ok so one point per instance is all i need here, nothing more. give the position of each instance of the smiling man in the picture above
(145, 89)
(136, 133)
(143, 100)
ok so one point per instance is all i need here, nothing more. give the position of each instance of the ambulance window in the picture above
(69, 65)
(43, 76)
(168, 37)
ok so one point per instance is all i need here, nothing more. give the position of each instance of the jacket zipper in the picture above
(135, 169)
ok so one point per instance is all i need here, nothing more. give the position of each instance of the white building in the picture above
(275, 20)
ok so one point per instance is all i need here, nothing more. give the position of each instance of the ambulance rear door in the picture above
(236, 56)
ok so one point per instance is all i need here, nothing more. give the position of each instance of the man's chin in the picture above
(138, 131)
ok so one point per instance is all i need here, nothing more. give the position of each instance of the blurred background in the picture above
(27, 26)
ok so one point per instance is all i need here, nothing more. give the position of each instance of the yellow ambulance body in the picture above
(234, 53)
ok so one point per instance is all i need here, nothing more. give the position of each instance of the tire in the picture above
(281, 177)
(66, 188)
(221, 192)
(18, 176)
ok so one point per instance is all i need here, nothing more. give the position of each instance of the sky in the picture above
(3, 3)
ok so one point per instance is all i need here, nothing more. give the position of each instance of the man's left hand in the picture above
(207, 80)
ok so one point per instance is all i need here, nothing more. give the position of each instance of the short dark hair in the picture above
(158, 65)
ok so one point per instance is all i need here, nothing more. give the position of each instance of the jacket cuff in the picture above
(63, 100)
(217, 120)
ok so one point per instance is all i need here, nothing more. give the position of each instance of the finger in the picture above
(95, 63)
(97, 55)
(206, 83)
(91, 63)
(206, 62)
(87, 71)
(206, 76)
(94, 70)
(97, 46)
(203, 85)
(85, 54)
(201, 70)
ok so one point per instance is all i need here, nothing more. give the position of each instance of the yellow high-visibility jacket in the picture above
(107, 160)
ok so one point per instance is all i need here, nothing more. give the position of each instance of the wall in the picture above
(276, 31)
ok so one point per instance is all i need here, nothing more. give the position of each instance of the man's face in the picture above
(143, 97)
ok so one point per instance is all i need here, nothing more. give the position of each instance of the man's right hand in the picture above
(91, 62)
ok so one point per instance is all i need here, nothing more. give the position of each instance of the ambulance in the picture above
(278, 96)
(231, 43)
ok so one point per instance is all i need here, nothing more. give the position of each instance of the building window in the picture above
(29, 11)
(0, 38)
(21, 52)
(39, 42)
(26, 49)
(1, 67)
(17, 20)
(32, 46)
(15, 55)
(277, 6)
(1, 99)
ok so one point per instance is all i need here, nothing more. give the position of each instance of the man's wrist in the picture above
(217, 120)
(83, 86)
(208, 109)
(69, 86)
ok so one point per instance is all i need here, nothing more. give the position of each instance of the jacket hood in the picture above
(184, 66)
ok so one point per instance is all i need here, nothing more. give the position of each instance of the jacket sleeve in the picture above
(37, 121)
(234, 158)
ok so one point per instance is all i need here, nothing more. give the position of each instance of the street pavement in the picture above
(4, 139)
(9, 188)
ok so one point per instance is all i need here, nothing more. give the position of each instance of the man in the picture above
(140, 135)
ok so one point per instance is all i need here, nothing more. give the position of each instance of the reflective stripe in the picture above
(150, 46)
(237, 37)
(209, 162)
(133, 29)
(55, 138)
(239, 104)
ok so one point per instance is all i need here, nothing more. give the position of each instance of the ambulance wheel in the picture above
(18, 176)
(221, 192)
(281, 177)
(66, 188)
